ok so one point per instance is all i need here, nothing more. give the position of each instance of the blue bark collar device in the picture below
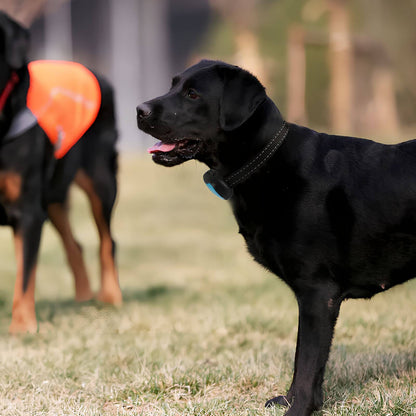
(223, 187)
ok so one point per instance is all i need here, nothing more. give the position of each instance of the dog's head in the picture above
(14, 45)
(205, 102)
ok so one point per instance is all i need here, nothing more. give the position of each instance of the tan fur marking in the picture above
(23, 310)
(10, 185)
(58, 215)
(110, 289)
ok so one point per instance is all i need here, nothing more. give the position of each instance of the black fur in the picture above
(334, 217)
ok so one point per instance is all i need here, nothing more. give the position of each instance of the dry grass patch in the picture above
(203, 329)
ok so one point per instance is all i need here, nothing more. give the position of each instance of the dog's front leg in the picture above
(58, 214)
(318, 312)
(26, 240)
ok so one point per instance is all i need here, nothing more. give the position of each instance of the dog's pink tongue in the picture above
(161, 147)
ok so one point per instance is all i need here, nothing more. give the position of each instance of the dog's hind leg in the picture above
(101, 191)
(26, 242)
(58, 214)
(318, 312)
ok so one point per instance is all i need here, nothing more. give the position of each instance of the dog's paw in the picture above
(279, 400)
(84, 296)
(23, 327)
(113, 297)
(23, 317)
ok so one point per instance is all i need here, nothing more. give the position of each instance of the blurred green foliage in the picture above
(387, 22)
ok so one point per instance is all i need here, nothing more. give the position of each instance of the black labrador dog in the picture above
(334, 217)
(34, 183)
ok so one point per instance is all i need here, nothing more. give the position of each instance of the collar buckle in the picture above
(216, 184)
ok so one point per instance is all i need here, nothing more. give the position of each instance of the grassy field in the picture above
(203, 329)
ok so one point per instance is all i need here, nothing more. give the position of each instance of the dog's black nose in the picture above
(143, 111)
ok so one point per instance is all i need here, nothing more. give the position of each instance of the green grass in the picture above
(203, 329)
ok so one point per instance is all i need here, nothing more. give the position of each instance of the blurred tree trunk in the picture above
(385, 101)
(26, 11)
(340, 63)
(296, 78)
(375, 92)
(58, 30)
(242, 15)
(392, 24)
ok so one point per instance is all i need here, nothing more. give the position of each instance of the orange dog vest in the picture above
(65, 98)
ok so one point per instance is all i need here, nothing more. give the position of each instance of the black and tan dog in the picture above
(334, 217)
(35, 174)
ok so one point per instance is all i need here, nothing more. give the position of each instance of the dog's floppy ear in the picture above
(16, 41)
(242, 94)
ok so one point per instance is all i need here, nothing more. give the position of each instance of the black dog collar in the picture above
(223, 187)
(14, 79)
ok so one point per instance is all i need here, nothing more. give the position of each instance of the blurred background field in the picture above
(203, 329)
(346, 66)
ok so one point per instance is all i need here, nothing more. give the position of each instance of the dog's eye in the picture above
(192, 94)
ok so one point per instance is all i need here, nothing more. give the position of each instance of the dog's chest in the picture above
(263, 237)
